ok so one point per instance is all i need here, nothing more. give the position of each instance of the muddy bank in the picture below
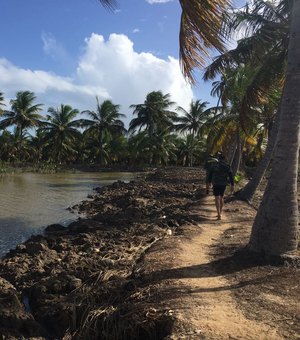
(81, 282)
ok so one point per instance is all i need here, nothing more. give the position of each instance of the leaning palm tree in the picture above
(276, 230)
(270, 128)
(61, 132)
(104, 123)
(23, 114)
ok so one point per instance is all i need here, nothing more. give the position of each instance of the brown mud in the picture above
(149, 261)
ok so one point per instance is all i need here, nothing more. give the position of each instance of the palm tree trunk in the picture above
(237, 155)
(275, 230)
(247, 193)
(232, 153)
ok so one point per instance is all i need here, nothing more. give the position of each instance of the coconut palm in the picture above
(8, 147)
(154, 114)
(139, 146)
(279, 206)
(190, 149)
(61, 132)
(104, 124)
(163, 147)
(23, 114)
(269, 129)
(275, 230)
(192, 121)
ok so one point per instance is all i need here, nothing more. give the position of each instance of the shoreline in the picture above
(7, 169)
(123, 221)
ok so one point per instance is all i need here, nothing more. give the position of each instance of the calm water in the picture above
(29, 202)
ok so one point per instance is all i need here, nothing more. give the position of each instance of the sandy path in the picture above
(207, 301)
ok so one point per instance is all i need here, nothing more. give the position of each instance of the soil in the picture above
(148, 260)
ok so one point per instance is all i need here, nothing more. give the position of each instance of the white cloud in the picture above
(136, 30)
(157, 1)
(52, 48)
(109, 69)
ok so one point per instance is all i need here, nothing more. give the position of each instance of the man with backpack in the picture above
(219, 176)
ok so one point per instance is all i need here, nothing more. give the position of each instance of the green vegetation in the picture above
(159, 134)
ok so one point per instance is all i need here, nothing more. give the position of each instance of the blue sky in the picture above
(69, 51)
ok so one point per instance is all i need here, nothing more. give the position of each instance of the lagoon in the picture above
(31, 201)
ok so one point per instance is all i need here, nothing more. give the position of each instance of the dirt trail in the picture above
(208, 303)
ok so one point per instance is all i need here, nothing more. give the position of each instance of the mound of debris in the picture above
(80, 282)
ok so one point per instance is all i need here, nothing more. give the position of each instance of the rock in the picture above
(34, 248)
(54, 228)
(14, 320)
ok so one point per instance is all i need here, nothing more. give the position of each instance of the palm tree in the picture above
(163, 147)
(154, 114)
(61, 132)
(23, 114)
(104, 124)
(1, 102)
(193, 120)
(8, 147)
(139, 146)
(270, 129)
(189, 149)
(275, 230)
(279, 206)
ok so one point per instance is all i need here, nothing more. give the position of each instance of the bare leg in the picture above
(221, 204)
(218, 206)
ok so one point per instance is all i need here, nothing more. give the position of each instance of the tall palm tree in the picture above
(193, 120)
(61, 132)
(154, 114)
(276, 230)
(23, 114)
(270, 126)
(104, 123)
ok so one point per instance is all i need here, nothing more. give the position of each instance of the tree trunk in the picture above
(246, 194)
(238, 154)
(275, 230)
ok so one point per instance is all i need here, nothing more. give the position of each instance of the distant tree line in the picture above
(159, 134)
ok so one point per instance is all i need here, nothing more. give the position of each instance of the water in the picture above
(29, 201)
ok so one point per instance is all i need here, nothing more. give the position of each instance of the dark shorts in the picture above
(218, 190)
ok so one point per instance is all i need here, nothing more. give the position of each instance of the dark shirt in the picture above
(210, 162)
(220, 174)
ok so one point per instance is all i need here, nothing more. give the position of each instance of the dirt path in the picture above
(206, 299)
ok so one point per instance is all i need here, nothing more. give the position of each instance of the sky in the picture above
(70, 51)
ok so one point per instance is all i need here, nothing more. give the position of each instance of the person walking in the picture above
(209, 164)
(219, 176)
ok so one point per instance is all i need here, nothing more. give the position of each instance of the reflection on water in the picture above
(29, 202)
